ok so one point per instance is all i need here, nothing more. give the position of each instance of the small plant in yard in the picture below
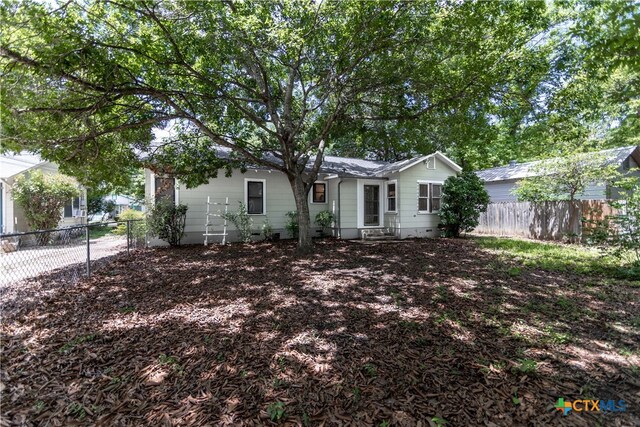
(527, 366)
(370, 370)
(385, 423)
(127, 309)
(276, 411)
(267, 230)
(291, 225)
(76, 341)
(439, 422)
(242, 221)
(172, 362)
(39, 406)
(77, 411)
(324, 219)
(167, 221)
(357, 393)
(515, 399)
(282, 363)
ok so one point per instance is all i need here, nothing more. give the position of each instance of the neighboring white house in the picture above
(12, 219)
(399, 199)
(501, 181)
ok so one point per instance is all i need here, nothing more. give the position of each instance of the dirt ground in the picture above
(424, 332)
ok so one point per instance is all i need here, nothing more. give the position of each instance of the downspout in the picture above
(339, 211)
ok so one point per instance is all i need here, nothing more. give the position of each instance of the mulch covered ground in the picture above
(411, 333)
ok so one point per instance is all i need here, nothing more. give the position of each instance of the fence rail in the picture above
(556, 220)
(69, 251)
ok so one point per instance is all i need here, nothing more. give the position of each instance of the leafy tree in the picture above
(89, 80)
(620, 234)
(565, 177)
(167, 221)
(463, 199)
(42, 197)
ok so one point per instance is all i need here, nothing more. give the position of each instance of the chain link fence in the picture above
(70, 252)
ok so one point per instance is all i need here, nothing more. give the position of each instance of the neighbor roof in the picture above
(523, 170)
(14, 164)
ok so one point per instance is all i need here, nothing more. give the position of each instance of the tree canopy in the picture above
(278, 84)
(272, 82)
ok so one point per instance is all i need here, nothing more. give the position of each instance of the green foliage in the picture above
(267, 230)
(555, 257)
(292, 225)
(242, 221)
(276, 411)
(463, 199)
(619, 234)
(42, 197)
(167, 220)
(565, 177)
(75, 342)
(95, 203)
(137, 225)
(527, 366)
(324, 219)
(317, 71)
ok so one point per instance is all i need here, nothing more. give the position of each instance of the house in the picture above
(501, 181)
(398, 199)
(12, 219)
(123, 203)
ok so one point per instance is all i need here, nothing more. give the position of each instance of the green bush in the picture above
(619, 235)
(292, 224)
(267, 230)
(242, 221)
(42, 197)
(463, 199)
(138, 226)
(324, 219)
(167, 220)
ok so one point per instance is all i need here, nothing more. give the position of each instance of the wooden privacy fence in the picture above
(545, 221)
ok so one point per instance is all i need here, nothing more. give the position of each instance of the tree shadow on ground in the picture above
(350, 334)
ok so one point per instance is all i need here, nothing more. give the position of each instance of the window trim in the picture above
(326, 193)
(264, 195)
(431, 196)
(429, 185)
(386, 196)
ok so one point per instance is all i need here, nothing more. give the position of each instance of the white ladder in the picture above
(216, 215)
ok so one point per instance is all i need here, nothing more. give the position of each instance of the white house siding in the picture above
(347, 207)
(278, 201)
(412, 223)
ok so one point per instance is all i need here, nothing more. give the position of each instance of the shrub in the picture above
(138, 227)
(324, 219)
(292, 224)
(267, 230)
(463, 199)
(242, 221)
(619, 235)
(42, 197)
(167, 221)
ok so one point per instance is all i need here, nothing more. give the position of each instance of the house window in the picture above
(255, 197)
(423, 197)
(165, 189)
(391, 197)
(72, 209)
(319, 193)
(436, 195)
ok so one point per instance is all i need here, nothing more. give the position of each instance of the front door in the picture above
(371, 205)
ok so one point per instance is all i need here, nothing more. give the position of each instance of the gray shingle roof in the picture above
(523, 170)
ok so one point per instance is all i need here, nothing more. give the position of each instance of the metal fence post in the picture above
(88, 252)
(128, 235)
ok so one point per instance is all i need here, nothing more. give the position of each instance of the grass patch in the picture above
(95, 232)
(555, 257)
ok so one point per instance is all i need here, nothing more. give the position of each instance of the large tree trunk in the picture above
(300, 195)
